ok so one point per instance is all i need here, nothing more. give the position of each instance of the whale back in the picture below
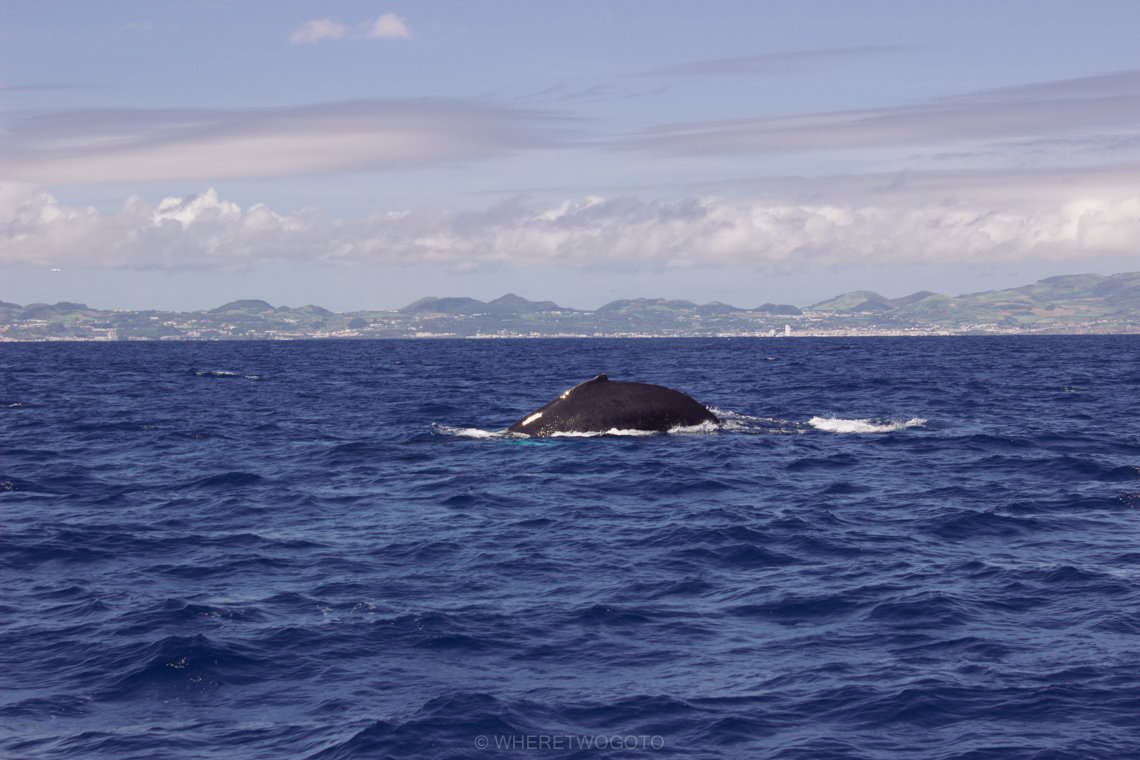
(601, 404)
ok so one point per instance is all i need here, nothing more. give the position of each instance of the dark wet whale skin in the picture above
(601, 404)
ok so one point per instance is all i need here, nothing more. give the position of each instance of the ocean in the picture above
(891, 548)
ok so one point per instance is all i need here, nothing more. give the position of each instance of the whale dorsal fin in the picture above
(599, 379)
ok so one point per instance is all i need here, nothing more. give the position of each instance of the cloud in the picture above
(43, 86)
(387, 26)
(763, 64)
(561, 93)
(196, 208)
(1074, 121)
(927, 218)
(1091, 105)
(318, 29)
(121, 145)
(769, 63)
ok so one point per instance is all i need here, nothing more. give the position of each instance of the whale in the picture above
(600, 404)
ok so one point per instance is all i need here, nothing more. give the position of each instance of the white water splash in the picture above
(702, 428)
(459, 432)
(838, 425)
(596, 433)
(732, 422)
(705, 428)
(223, 373)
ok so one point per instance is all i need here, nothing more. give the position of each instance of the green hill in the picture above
(849, 300)
(247, 305)
(508, 305)
(648, 304)
(779, 308)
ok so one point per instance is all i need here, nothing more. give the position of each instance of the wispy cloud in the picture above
(45, 86)
(387, 26)
(761, 64)
(318, 29)
(1102, 85)
(561, 93)
(914, 218)
(166, 144)
(1093, 105)
(769, 63)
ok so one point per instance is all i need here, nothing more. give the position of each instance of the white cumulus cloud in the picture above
(187, 211)
(968, 218)
(388, 26)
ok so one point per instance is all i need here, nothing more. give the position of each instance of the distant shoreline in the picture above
(724, 336)
(1087, 304)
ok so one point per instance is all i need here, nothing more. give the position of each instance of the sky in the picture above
(361, 155)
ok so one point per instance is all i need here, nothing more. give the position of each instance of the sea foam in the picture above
(839, 425)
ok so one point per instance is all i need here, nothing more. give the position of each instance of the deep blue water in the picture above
(322, 550)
